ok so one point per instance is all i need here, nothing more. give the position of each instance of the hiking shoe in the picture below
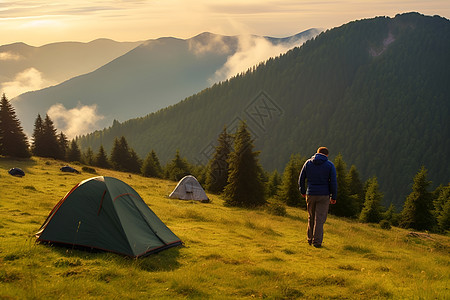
(317, 245)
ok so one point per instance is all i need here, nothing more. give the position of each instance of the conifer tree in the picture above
(49, 139)
(274, 183)
(101, 159)
(390, 215)
(13, 141)
(417, 210)
(355, 188)
(151, 166)
(63, 143)
(217, 174)
(88, 157)
(120, 154)
(37, 147)
(134, 162)
(245, 187)
(345, 205)
(177, 168)
(442, 208)
(74, 153)
(289, 189)
(371, 212)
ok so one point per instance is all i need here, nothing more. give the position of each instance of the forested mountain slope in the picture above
(375, 90)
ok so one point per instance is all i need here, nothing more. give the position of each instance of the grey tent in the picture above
(107, 214)
(188, 188)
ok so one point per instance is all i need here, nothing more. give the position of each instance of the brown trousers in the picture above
(317, 215)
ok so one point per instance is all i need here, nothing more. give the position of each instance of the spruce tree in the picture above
(73, 153)
(274, 183)
(13, 141)
(442, 207)
(417, 210)
(217, 174)
(134, 162)
(355, 188)
(151, 166)
(245, 187)
(177, 168)
(63, 143)
(289, 190)
(120, 154)
(37, 147)
(101, 159)
(50, 140)
(88, 157)
(345, 206)
(371, 212)
(390, 215)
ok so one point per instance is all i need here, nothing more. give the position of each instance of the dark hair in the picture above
(323, 150)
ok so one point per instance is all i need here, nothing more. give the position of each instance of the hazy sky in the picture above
(38, 22)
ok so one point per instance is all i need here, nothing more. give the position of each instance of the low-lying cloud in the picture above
(28, 80)
(9, 56)
(75, 121)
(209, 43)
(252, 50)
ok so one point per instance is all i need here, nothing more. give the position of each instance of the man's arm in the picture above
(301, 181)
(333, 183)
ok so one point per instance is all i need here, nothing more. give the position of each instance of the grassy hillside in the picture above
(227, 252)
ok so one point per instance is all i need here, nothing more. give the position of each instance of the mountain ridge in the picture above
(149, 77)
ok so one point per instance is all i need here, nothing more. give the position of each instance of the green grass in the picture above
(228, 253)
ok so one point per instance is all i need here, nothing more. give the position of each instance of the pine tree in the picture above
(289, 189)
(13, 141)
(88, 157)
(371, 212)
(245, 187)
(120, 154)
(417, 210)
(217, 174)
(355, 188)
(101, 159)
(177, 168)
(134, 162)
(274, 183)
(50, 144)
(345, 205)
(74, 153)
(63, 143)
(151, 166)
(442, 208)
(37, 147)
(390, 215)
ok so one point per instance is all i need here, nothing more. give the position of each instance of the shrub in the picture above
(277, 209)
(89, 170)
(385, 224)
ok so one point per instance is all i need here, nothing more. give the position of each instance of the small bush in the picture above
(276, 209)
(29, 187)
(89, 170)
(385, 224)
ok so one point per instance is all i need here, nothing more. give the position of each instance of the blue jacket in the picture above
(320, 175)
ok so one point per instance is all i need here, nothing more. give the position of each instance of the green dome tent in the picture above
(106, 213)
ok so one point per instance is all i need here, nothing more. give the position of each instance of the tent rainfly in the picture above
(188, 188)
(107, 214)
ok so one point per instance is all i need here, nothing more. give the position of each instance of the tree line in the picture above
(235, 172)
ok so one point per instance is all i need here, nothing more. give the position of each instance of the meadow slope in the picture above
(228, 253)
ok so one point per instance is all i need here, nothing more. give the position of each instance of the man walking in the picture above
(320, 176)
